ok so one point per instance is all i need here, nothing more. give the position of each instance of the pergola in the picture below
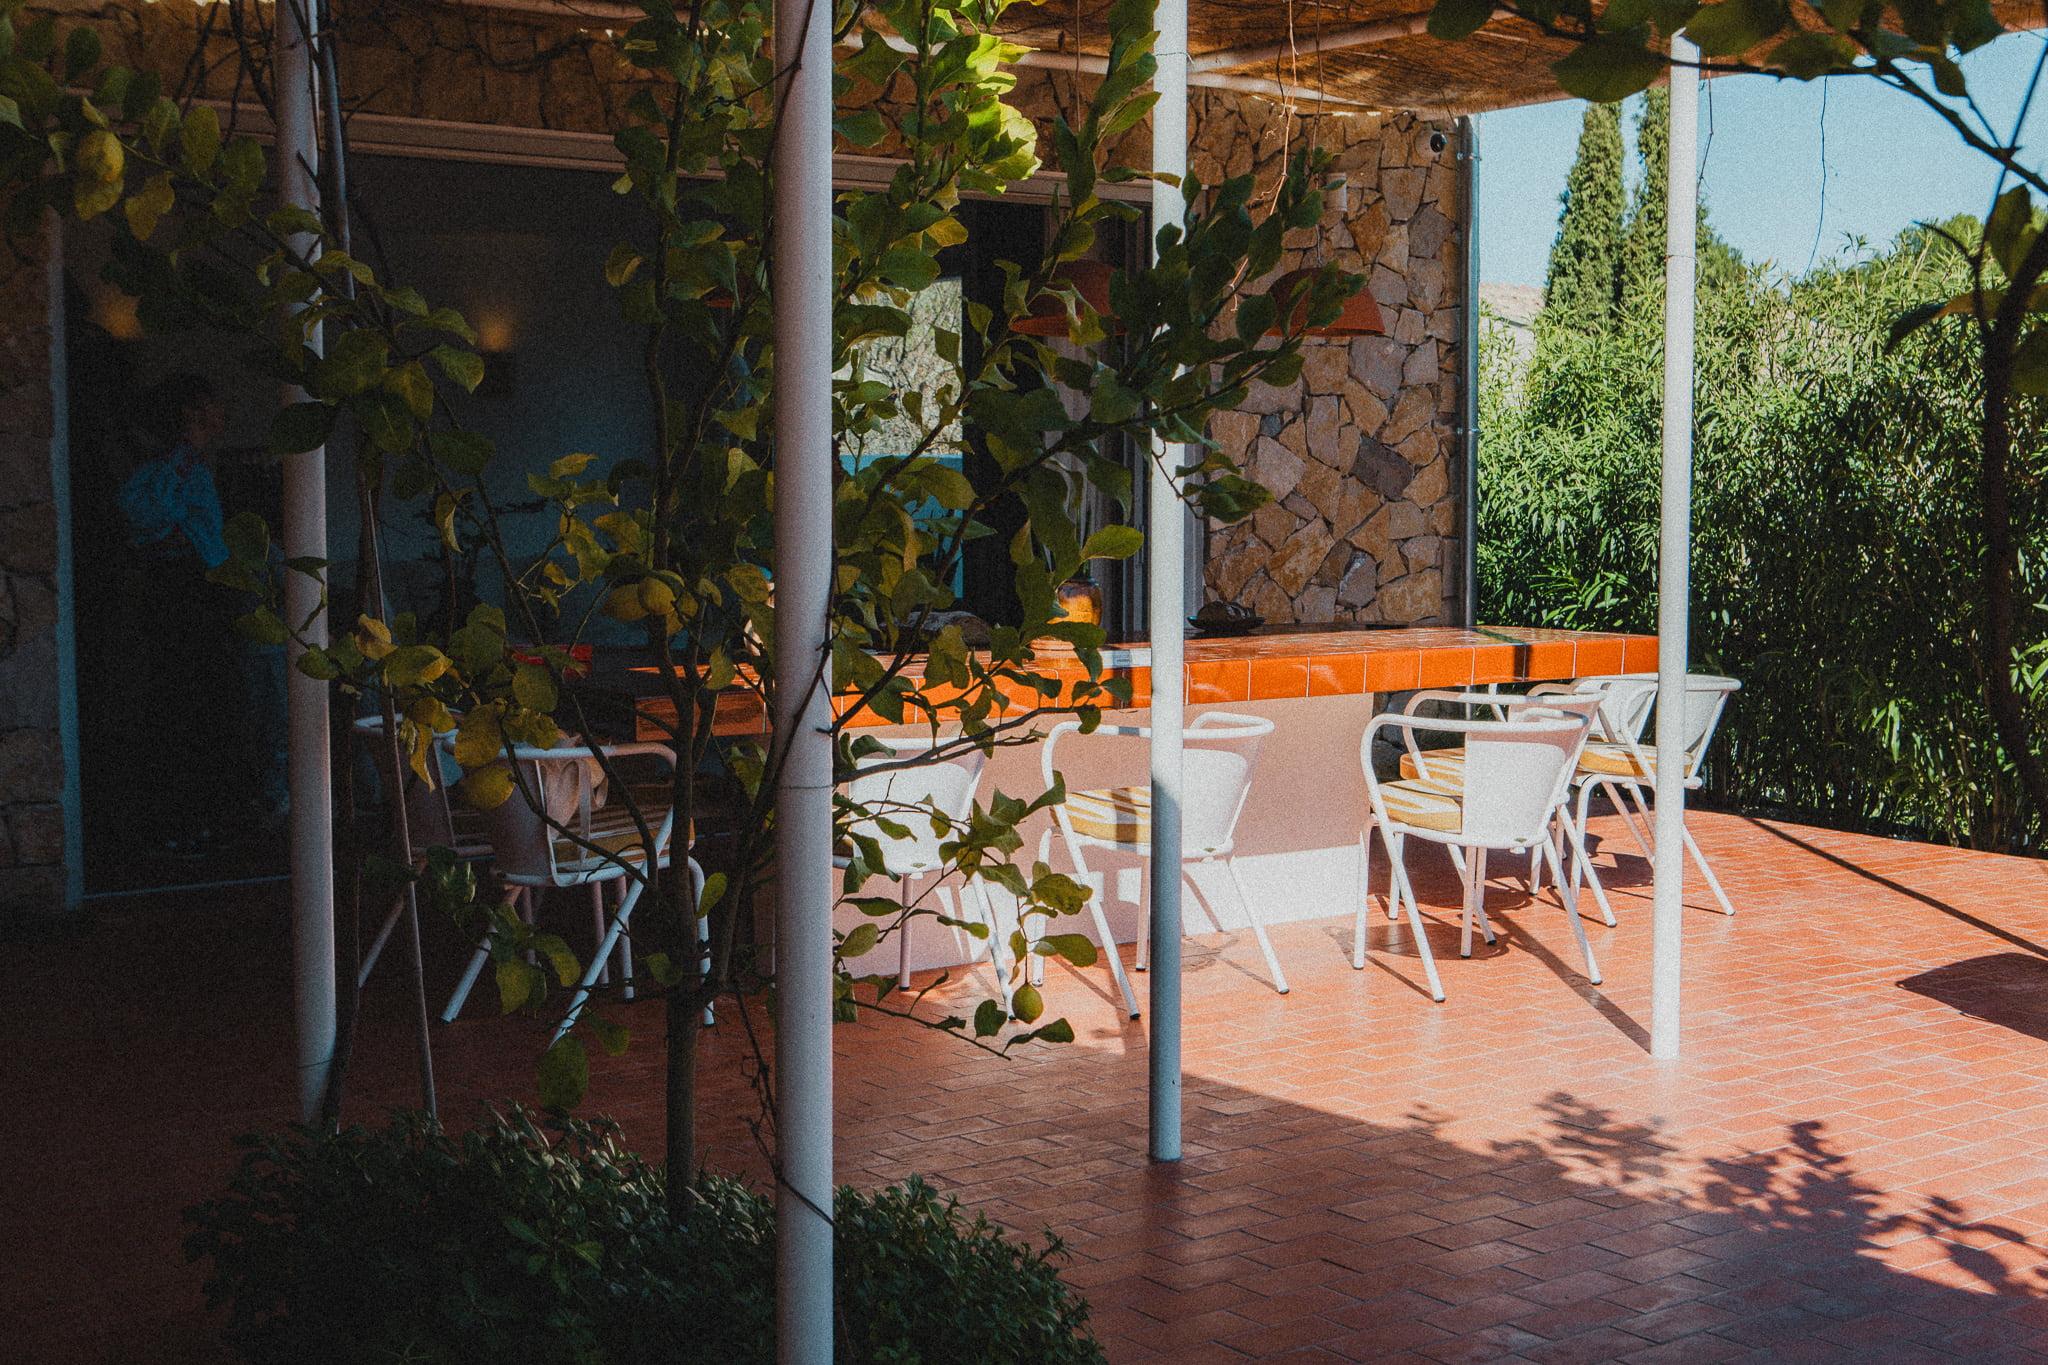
(1360, 53)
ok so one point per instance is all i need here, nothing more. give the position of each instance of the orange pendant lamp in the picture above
(1048, 315)
(1360, 316)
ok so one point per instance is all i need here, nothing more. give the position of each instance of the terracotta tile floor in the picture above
(1848, 1163)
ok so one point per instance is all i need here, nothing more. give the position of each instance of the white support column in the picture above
(800, 264)
(305, 534)
(1674, 570)
(1166, 607)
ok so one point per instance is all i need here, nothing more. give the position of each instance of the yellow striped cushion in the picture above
(1120, 815)
(1616, 760)
(611, 829)
(1425, 804)
(1446, 768)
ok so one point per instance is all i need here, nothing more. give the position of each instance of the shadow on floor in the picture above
(2008, 989)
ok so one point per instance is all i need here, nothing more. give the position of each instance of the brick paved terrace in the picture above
(1847, 1163)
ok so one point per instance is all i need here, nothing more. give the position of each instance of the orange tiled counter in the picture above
(1317, 662)
(1297, 841)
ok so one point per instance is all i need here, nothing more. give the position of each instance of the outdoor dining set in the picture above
(1474, 770)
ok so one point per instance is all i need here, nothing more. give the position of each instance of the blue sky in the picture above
(1889, 162)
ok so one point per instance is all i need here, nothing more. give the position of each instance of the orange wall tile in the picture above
(1274, 678)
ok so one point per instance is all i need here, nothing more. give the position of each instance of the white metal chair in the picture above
(569, 835)
(1221, 750)
(432, 820)
(907, 798)
(1514, 777)
(1446, 765)
(1626, 700)
(1627, 767)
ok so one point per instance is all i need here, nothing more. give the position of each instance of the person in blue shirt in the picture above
(206, 718)
(171, 501)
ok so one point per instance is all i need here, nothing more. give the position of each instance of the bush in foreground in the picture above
(549, 1242)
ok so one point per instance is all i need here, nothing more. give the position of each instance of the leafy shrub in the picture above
(522, 1241)
(1836, 545)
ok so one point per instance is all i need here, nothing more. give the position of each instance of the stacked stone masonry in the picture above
(1360, 454)
(31, 757)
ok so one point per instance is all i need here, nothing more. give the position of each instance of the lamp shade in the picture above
(1048, 315)
(1360, 316)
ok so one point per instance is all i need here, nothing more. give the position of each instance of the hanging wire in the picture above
(1821, 218)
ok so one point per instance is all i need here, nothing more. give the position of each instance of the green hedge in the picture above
(530, 1243)
(1836, 544)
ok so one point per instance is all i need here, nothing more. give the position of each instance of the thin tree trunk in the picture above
(684, 1028)
(2001, 545)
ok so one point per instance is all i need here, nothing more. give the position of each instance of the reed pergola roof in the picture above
(1371, 53)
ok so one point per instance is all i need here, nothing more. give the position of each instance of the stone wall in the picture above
(32, 881)
(1361, 455)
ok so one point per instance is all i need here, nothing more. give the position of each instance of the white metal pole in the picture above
(800, 264)
(1166, 601)
(1674, 571)
(305, 534)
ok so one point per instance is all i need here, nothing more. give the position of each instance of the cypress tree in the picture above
(1581, 287)
(1642, 252)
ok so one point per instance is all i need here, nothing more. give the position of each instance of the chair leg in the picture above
(622, 963)
(1465, 910)
(1479, 896)
(1036, 973)
(1109, 952)
(903, 936)
(376, 948)
(590, 973)
(1623, 793)
(998, 955)
(1582, 866)
(1713, 882)
(1364, 894)
(477, 960)
(1258, 923)
(1571, 911)
(597, 930)
(1405, 890)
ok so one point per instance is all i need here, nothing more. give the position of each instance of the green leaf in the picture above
(1058, 1031)
(1451, 20)
(2030, 363)
(564, 1074)
(465, 452)
(1078, 949)
(354, 363)
(81, 53)
(464, 367)
(247, 537)
(1809, 55)
(1604, 70)
(533, 688)
(989, 1018)
(199, 139)
(147, 206)
(1912, 320)
(515, 984)
(1730, 27)
(860, 940)
(1114, 542)
(263, 626)
(302, 426)
(412, 665)
(2010, 231)
(613, 1038)
(621, 264)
